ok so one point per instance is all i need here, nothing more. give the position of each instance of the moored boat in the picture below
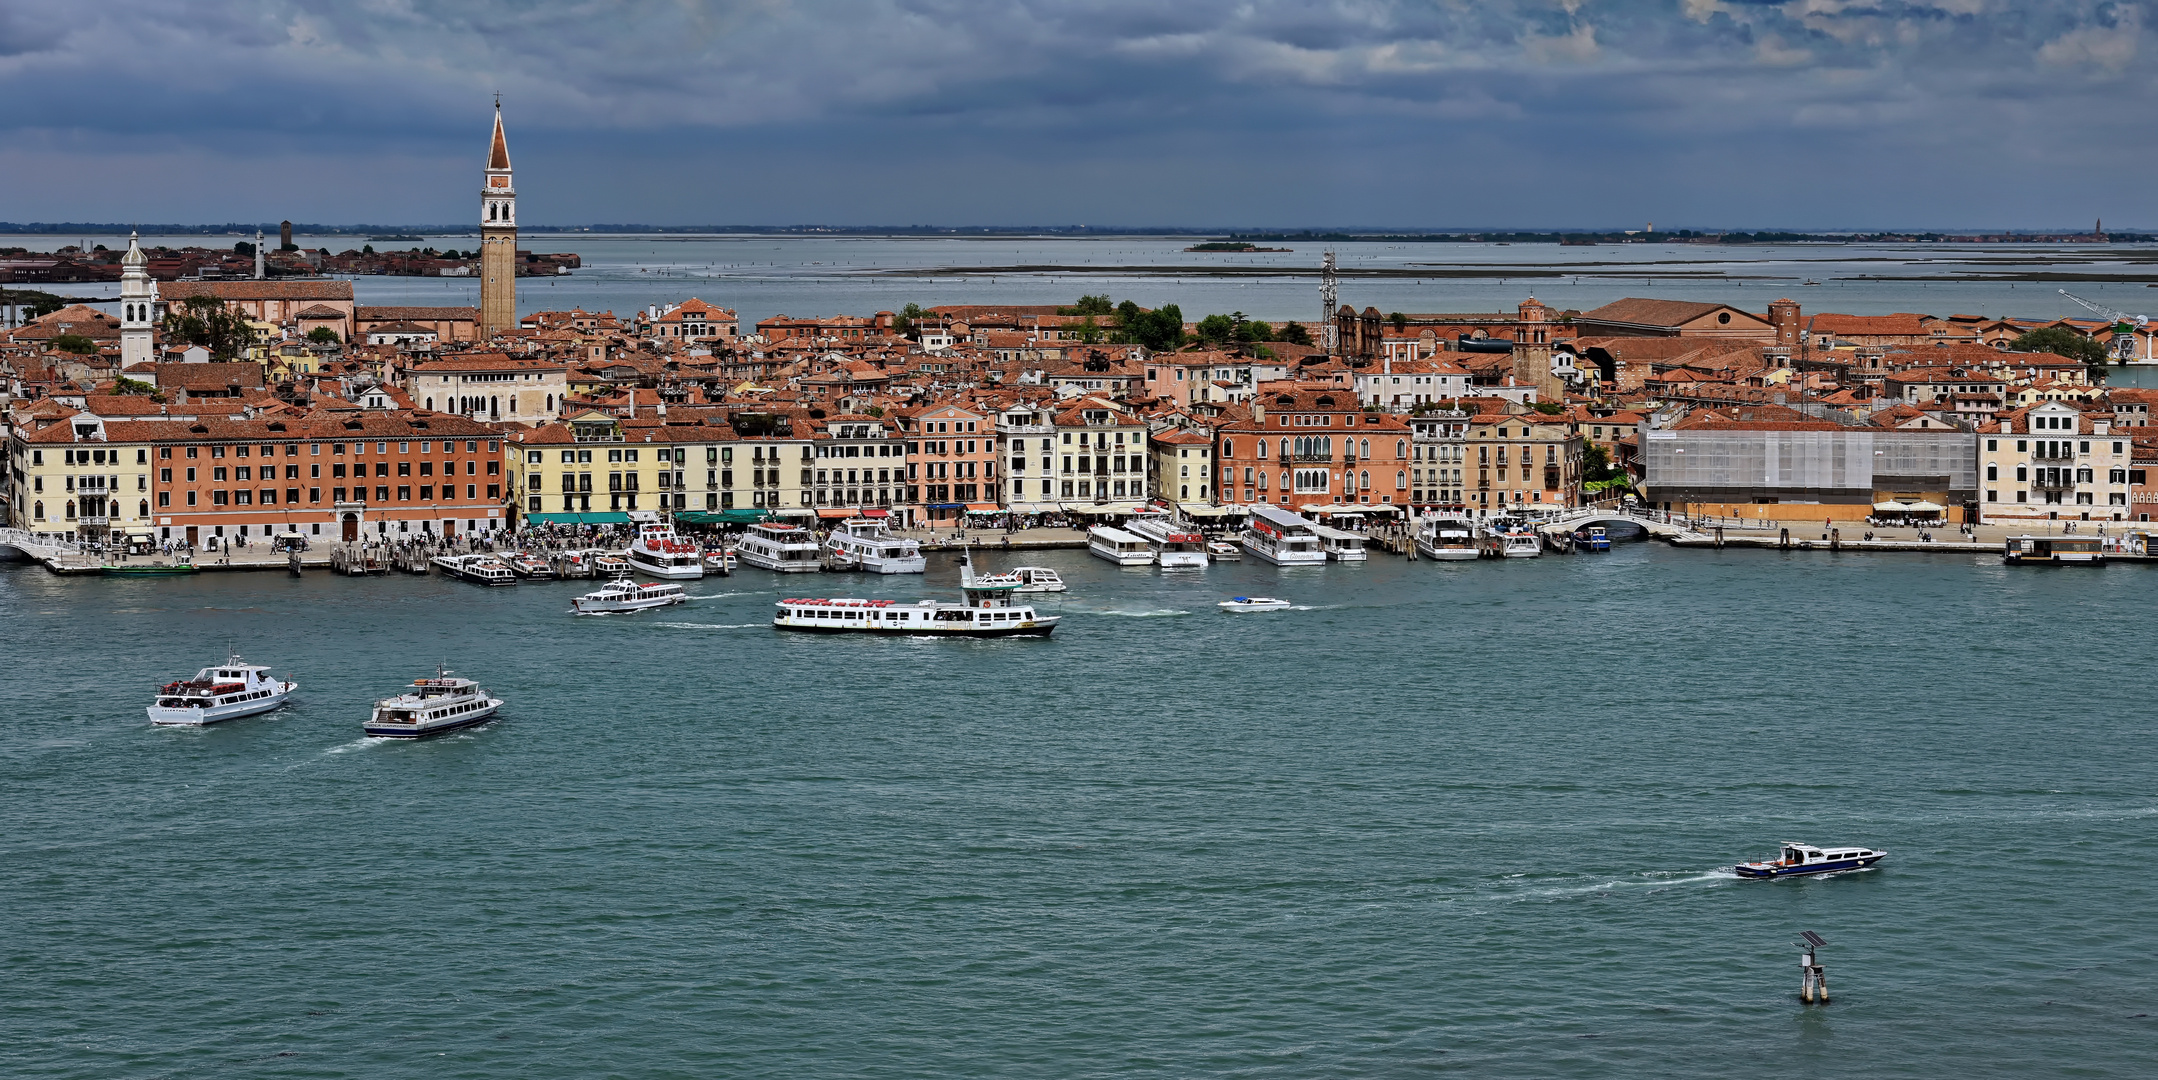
(1511, 540)
(1282, 538)
(478, 569)
(867, 544)
(1174, 546)
(609, 564)
(719, 561)
(1224, 551)
(785, 549)
(432, 706)
(1340, 545)
(1118, 546)
(1446, 539)
(527, 565)
(1800, 859)
(623, 595)
(2053, 551)
(660, 553)
(227, 691)
(1593, 538)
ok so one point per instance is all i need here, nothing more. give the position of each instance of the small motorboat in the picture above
(1593, 538)
(610, 565)
(527, 565)
(1253, 603)
(1799, 859)
(1224, 551)
(718, 561)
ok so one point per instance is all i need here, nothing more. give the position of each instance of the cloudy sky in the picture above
(1417, 113)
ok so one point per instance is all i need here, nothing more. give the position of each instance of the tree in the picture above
(79, 344)
(244, 249)
(1254, 330)
(1097, 304)
(367, 249)
(1400, 321)
(323, 335)
(125, 385)
(2063, 342)
(206, 321)
(1595, 464)
(1216, 329)
(1159, 330)
(1295, 334)
(903, 324)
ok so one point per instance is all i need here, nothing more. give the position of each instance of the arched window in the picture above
(1363, 449)
(1262, 449)
(1401, 480)
(142, 508)
(37, 511)
(1228, 449)
(1401, 448)
(1365, 481)
(71, 509)
(550, 403)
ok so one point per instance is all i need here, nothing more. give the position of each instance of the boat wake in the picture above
(716, 595)
(709, 626)
(361, 743)
(1645, 883)
(1156, 613)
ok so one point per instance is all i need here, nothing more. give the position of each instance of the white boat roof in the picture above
(1116, 534)
(1278, 517)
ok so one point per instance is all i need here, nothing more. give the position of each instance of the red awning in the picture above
(874, 512)
(829, 514)
(981, 508)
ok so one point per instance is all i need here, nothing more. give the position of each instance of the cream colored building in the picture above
(599, 464)
(2053, 462)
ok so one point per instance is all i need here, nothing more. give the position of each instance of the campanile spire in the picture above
(498, 237)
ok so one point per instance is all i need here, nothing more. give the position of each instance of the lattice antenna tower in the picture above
(1329, 299)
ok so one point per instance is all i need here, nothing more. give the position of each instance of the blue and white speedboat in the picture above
(1800, 859)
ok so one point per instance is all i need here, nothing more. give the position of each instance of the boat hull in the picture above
(1039, 628)
(1832, 866)
(622, 607)
(1289, 558)
(777, 566)
(1446, 554)
(1181, 560)
(438, 727)
(164, 717)
(650, 567)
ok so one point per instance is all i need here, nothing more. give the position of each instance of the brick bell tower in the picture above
(498, 238)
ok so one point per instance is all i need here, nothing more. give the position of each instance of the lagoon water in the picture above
(1466, 818)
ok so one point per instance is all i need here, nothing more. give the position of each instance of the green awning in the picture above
(577, 519)
(720, 517)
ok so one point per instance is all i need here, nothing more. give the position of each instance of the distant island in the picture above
(1232, 245)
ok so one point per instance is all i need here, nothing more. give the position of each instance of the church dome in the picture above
(134, 256)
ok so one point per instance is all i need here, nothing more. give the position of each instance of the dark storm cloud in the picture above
(1709, 112)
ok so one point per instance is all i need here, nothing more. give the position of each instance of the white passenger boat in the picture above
(1026, 579)
(1224, 551)
(867, 544)
(787, 549)
(433, 706)
(1174, 546)
(1340, 545)
(1118, 546)
(609, 564)
(660, 553)
(1253, 603)
(1799, 859)
(718, 561)
(478, 569)
(624, 595)
(1446, 539)
(988, 611)
(232, 689)
(1282, 538)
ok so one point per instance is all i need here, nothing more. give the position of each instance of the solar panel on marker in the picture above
(1812, 938)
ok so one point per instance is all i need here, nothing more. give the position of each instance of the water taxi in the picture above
(1340, 545)
(786, 549)
(609, 564)
(660, 553)
(527, 565)
(1799, 859)
(867, 544)
(2054, 551)
(988, 611)
(1174, 546)
(1446, 539)
(431, 707)
(624, 595)
(719, 561)
(1282, 538)
(1253, 603)
(1593, 538)
(230, 690)
(1224, 551)
(1511, 540)
(1119, 547)
(478, 569)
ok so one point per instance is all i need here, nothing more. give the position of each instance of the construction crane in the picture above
(2125, 326)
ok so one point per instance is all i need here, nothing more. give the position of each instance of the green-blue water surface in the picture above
(1470, 818)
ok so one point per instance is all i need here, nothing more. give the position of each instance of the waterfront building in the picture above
(1801, 469)
(490, 386)
(1304, 447)
(498, 238)
(1438, 458)
(2054, 461)
(951, 461)
(1524, 459)
(1181, 467)
(861, 463)
(82, 477)
(1026, 436)
(1100, 455)
(322, 475)
(1399, 385)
